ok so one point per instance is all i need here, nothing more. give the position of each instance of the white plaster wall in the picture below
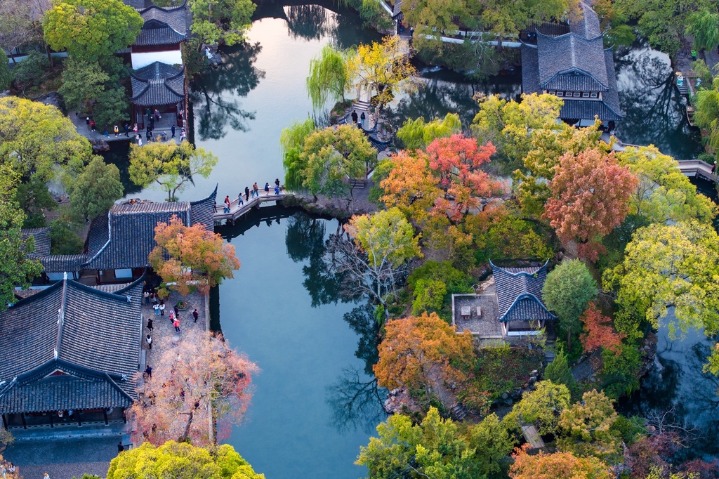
(139, 60)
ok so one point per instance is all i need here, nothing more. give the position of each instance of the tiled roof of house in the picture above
(163, 26)
(125, 237)
(585, 22)
(42, 239)
(158, 84)
(62, 344)
(519, 293)
(571, 55)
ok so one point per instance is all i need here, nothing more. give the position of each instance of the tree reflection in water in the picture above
(310, 22)
(677, 389)
(356, 400)
(214, 108)
(654, 109)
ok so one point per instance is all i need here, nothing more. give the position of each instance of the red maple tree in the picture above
(457, 162)
(590, 197)
(599, 332)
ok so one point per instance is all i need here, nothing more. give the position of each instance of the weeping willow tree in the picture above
(292, 140)
(707, 112)
(328, 77)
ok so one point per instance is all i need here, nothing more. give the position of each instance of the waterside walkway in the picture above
(238, 210)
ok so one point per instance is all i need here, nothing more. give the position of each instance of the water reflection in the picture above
(309, 22)
(305, 240)
(653, 107)
(215, 96)
(677, 390)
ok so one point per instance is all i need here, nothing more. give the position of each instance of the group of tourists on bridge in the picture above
(254, 192)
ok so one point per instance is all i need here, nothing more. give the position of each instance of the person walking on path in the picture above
(172, 130)
(146, 295)
(256, 190)
(46, 476)
(148, 371)
(267, 189)
(116, 130)
(156, 307)
(240, 201)
(176, 324)
(177, 311)
(247, 193)
(277, 182)
(195, 314)
(149, 324)
(162, 308)
(227, 203)
(148, 340)
(92, 125)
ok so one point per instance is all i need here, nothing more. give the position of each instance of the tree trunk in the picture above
(186, 433)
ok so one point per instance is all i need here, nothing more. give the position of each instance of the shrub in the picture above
(64, 239)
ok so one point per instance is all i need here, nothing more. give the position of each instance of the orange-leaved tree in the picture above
(590, 197)
(559, 465)
(191, 257)
(193, 382)
(457, 162)
(423, 354)
(599, 331)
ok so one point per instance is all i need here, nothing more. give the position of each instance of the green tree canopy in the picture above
(333, 156)
(435, 448)
(82, 83)
(5, 75)
(704, 27)
(328, 78)
(91, 30)
(668, 266)
(664, 193)
(567, 291)
(559, 372)
(585, 428)
(169, 165)
(417, 134)
(35, 138)
(15, 268)
(540, 407)
(96, 189)
(707, 112)
(221, 21)
(292, 140)
(181, 461)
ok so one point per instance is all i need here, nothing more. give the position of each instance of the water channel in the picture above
(281, 308)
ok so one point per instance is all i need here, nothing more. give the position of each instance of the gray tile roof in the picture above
(60, 386)
(519, 293)
(61, 263)
(158, 84)
(58, 346)
(586, 110)
(163, 26)
(42, 239)
(571, 54)
(585, 22)
(138, 4)
(607, 109)
(130, 237)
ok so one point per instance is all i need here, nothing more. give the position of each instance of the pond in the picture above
(314, 403)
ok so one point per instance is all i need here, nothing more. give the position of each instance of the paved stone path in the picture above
(163, 333)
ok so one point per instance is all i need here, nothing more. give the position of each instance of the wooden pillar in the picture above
(104, 414)
(22, 418)
(52, 423)
(4, 421)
